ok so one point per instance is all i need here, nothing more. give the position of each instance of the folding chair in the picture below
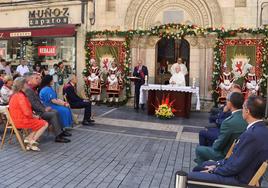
(256, 178)
(230, 151)
(181, 180)
(75, 116)
(10, 125)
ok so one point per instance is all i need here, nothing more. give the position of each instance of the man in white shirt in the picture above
(178, 77)
(22, 68)
(182, 66)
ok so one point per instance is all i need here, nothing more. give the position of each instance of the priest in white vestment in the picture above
(182, 66)
(178, 77)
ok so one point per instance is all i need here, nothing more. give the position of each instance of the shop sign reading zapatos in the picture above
(48, 16)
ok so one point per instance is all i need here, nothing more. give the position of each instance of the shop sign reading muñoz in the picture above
(48, 16)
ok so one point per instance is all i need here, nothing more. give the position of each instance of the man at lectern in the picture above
(140, 71)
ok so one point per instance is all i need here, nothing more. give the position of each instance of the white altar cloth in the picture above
(145, 88)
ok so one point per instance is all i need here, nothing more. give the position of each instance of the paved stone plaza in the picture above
(120, 151)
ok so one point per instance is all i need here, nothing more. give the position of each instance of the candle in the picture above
(146, 80)
(193, 85)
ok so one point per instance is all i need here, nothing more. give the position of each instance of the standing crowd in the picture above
(33, 102)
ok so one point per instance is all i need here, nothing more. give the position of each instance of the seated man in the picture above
(77, 102)
(46, 113)
(177, 77)
(233, 125)
(210, 134)
(250, 151)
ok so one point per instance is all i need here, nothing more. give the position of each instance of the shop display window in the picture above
(43, 50)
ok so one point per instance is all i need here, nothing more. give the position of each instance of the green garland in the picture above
(177, 31)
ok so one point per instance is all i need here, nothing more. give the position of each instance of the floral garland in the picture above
(177, 31)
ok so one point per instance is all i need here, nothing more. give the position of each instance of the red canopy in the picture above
(62, 30)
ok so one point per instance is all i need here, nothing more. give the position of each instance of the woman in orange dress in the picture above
(22, 114)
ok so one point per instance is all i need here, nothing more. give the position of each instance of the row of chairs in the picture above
(182, 182)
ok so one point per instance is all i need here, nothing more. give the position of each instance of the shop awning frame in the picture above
(52, 31)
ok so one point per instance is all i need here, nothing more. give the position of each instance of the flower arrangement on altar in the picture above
(165, 109)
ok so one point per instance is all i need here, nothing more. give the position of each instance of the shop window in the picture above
(46, 51)
(240, 3)
(110, 5)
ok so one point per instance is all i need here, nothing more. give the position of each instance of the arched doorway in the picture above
(167, 53)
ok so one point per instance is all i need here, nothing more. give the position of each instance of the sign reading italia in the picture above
(47, 51)
(48, 16)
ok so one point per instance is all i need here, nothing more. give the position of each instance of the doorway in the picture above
(167, 53)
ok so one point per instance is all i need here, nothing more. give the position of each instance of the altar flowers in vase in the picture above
(165, 109)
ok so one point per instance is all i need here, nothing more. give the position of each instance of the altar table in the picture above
(182, 95)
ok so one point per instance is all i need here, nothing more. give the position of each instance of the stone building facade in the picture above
(144, 14)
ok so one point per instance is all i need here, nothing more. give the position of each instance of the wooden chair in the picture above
(10, 125)
(230, 151)
(256, 178)
(254, 182)
(75, 116)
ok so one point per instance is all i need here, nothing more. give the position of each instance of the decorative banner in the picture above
(105, 51)
(47, 51)
(240, 55)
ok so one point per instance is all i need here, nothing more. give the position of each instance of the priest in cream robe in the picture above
(178, 77)
(182, 66)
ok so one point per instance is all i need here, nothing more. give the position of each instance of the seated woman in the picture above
(6, 90)
(49, 97)
(178, 77)
(22, 115)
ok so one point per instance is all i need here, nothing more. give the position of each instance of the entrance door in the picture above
(168, 51)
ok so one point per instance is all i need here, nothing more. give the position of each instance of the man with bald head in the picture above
(77, 102)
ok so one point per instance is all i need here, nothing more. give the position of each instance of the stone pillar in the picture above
(80, 56)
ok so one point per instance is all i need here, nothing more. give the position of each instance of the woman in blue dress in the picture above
(49, 98)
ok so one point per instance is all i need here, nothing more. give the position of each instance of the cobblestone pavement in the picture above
(124, 149)
(97, 159)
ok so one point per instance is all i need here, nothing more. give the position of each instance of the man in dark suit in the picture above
(217, 116)
(141, 72)
(210, 134)
(77, 102)
(45, 113)
(231, 128)
(250, 151)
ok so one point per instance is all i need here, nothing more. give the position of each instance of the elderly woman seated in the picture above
(6, 90)
(22, 115)
(49, 98)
